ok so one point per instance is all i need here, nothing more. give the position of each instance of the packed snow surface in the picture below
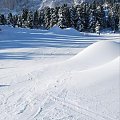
(59, 75)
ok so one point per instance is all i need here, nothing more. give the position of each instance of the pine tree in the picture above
(2, 19)
(30, 20)
(15, 19)
(79, 25)
(73, 17)
(41, 19)
(97, 28)
(92, 22)
(64, 17)
(106, 18)
(47, 17)
(24, 17)
(119, 25)
(10, 19)
(19, 21)
(54, 17)
(100, 15)
(36, 19)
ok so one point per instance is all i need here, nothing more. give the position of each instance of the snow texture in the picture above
(59, 75)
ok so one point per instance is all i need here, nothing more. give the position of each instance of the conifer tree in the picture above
(41, 19)
(24, 17)
(106, 11)
(92, 22)
(36, 19)
(54, 17)
(119, 25)
(100, 15)
(19, 21)
(2, 19)
(15, 19)
(64, 17)
(30, 20)
(97, 27)
(73, 17)
(47, 17)
(79, 25)
(10, 19)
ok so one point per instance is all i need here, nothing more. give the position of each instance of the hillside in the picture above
(35, 4)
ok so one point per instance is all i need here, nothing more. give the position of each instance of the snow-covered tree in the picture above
(36, 19)
(54, 17)
(10, 19)
(47, 17)
(100, 14)
(79, 25)
(97, 27)
(24, 17)
(2, 19)
(41, 19)
(106, 11)
(73, 17)
(92, 22)
(64, 17)
(30, 20)
(119, 25)
(15, 19)
(19, 21)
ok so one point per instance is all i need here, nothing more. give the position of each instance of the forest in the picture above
(85, 17)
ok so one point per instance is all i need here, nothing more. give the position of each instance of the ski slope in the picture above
(59, 75)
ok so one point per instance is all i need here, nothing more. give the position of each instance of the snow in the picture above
(59, 74)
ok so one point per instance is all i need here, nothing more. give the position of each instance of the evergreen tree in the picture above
(2, 19)
(15, 19)
(92, 22)
(73, 17)
(64, 17)
(84, 16)
(97, 28)
(10, 19)
(54, 17)
(36, 19)
(119, 25)
(41, 19)
(100, 15)
(79, 26)
(24, 17)
(19, 21)
(30, 20)
(47, 17)
(106, 18)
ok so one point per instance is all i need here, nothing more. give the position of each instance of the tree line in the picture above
(84, 17)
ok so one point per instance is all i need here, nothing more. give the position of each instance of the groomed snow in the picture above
(53, 75)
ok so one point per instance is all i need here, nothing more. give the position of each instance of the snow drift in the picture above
(96, 54)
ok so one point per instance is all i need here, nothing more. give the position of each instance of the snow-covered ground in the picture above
(59, 75)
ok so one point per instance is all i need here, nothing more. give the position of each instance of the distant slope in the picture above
(35, 4)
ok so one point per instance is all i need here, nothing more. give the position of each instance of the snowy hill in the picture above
(54, 74)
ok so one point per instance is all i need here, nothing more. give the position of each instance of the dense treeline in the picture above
(84, 17)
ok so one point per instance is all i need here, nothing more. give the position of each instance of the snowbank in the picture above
(108, 72)
(96, 54)
(67, 31)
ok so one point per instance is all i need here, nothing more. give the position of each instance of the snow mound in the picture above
(105, 73)
(72, 31)
(55, 29)
(66, 31)
(96, 54)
